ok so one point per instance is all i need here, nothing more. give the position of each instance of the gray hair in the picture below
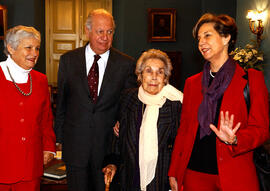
(153, 54)
(14, 36)
(89, 20)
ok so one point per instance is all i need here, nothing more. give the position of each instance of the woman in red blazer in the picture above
(27, 139)
(214, 146)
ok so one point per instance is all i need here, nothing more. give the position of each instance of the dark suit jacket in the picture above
(127, 147)
(235, 163)
(84, 128)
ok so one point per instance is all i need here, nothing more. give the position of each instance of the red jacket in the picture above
(235, 163)
(25, 129)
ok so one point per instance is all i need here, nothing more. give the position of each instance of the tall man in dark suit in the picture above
(85, 117)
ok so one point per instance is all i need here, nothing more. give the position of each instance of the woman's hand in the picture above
(109, 172)
(173, 183)
(226, 132)
(116, 129)
(47, 157)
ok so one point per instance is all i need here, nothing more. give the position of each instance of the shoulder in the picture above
(129, 94)
(128, 99)
(176, 105)
(255, 73)
(256, 79)
(195, 79)
(120, 56)
(72, 58)
(38, 74)
(39, 77)
(74, 53)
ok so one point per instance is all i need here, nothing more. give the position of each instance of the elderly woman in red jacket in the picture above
(214, 146)
(27, 139)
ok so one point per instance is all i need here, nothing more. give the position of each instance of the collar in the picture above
(19, 74)
(90, 54)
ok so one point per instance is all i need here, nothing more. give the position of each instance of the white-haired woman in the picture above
(27, 139)
(149, 119)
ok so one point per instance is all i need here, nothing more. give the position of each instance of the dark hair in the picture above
(223, 24)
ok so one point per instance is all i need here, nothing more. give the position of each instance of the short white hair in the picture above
(153, 54)
(14, 36)
(89, 19)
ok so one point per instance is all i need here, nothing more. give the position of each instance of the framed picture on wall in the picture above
(3, 21)
(161, 24)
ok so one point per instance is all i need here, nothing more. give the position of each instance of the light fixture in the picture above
(256, 19)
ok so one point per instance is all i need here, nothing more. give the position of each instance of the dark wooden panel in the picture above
(176, 59)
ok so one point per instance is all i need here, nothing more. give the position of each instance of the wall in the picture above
(131, 29)
(245, 36)
(29, 13)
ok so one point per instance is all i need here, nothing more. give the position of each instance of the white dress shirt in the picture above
(102, 63)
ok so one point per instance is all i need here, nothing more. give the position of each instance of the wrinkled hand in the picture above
(226, 132)
(116, 128)
(109, 172)
(47, 157)
(173, 183)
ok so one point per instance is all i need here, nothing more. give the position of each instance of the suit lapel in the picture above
(195, 98)
(110, 70)
(82, 67)
(235, 91)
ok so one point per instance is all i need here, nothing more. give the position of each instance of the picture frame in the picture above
(3, 21)
(161, 24)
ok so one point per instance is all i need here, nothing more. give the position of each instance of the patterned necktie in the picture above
(93, 79)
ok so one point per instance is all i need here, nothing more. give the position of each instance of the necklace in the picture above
(18, 88)
(211, 74)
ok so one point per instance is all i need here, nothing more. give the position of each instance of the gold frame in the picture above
(3, 21)
(161, 24)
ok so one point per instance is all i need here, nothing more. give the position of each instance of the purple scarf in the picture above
(211, 94)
